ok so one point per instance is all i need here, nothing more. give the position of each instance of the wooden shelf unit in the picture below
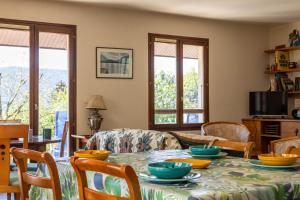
(283, 49)
(257, 127)
(294, 92)
(284, 71)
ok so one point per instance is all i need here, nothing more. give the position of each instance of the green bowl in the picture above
(200, 150)
(169, 170)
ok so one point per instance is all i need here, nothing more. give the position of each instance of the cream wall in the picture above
(280, 35)
(236, 57)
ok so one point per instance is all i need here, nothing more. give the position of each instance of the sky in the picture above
(19, 56)
(168, 65)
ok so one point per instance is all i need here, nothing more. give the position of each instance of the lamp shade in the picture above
(95, 102)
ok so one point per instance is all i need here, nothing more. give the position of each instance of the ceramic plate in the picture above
(258, 163)
(219, 155)
(154, 179)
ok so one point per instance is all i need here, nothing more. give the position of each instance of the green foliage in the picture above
(54, 100)
(16, 104)
(165, 91)
(165, 94)
(191, 90)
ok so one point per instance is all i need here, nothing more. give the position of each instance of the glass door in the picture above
(38, 76)
(53, 82)
(14, 72)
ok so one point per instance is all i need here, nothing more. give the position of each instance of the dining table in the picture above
(37, 143)
(226, 178)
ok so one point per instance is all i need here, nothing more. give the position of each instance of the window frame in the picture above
(34, 29)
(180, 41)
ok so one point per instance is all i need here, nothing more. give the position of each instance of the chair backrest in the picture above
(229, 130)
(26, 180)
(281, 145)
(293, 150)
(122, 171)
(8, 132)
(246, 148)
(63, 139)
(10, 121)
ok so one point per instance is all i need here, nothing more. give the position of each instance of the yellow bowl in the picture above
(196, 164)
(278, 160)
(93, 154)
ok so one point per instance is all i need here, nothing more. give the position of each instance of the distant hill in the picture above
(50, 77)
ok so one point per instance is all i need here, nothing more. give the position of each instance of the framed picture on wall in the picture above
(114, 63)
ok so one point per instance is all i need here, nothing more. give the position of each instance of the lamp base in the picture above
(95, 123)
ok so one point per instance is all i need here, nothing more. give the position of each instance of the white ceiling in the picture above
(267, 11)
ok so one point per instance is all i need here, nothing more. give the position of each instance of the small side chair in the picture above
(21, 157)
(122, 171)
(245, 148)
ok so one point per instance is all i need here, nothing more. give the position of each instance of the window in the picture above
(178, 82)
(37, 74)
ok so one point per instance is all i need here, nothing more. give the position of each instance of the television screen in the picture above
(268, 103)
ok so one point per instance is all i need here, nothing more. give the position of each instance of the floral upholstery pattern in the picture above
(281, 145)
(13, 178)
(132, 140)
(228, 130)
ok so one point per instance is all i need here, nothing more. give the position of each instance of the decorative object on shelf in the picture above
(280, 46)
(292, 65)
(297, 83)
(288, 84)
(95, 103)
(294, 38)
(280, 84)
(282, 60)
(114, 63)
(273, 85)
(296, 113)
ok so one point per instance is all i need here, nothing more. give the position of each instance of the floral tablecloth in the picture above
(227, 178)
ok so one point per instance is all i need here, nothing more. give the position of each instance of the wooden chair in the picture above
(122, 171)
(21, 157)
(229, 130)
(293, 150)
(63, 139)
(246, 148)
(10, 121)
(7, 132)
(280, 146)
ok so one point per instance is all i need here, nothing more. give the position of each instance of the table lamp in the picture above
(95, 103)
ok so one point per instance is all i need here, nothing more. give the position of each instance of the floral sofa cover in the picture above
(132, 140)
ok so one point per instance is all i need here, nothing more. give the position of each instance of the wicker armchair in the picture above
(229, 130)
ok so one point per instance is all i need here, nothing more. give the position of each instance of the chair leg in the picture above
(17, 196)
(8, 196)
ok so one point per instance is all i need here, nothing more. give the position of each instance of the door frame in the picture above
(34, 28)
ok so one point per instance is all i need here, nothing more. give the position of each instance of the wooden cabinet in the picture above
(289, 129)
(265, 130)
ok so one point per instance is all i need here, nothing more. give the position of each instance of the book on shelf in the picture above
(287, 84)
(282, 60)
(280, 82)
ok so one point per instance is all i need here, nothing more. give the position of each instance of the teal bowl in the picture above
(169, 170)
(200, 150)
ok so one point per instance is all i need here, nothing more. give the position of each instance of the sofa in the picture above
(132, 140)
